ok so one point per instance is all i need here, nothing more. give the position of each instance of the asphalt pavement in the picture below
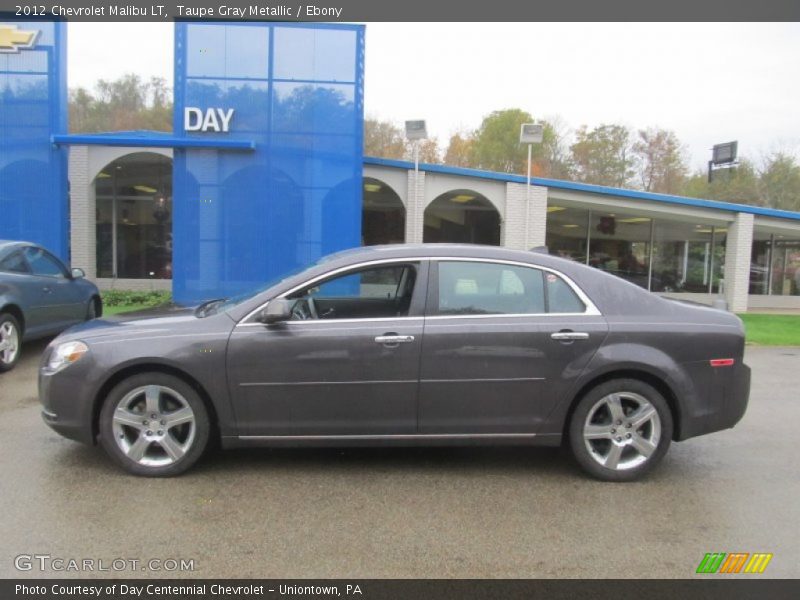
(395, 512)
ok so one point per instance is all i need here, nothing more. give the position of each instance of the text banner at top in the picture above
(409, 10)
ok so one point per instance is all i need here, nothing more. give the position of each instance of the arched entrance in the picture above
(383, 217)
(462, 216)
(133, 196)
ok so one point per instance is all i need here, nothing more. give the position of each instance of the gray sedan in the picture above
(426, 344)
(39, 297)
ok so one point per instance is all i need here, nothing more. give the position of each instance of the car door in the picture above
(59, 301)
(347, 366)
(495, 358)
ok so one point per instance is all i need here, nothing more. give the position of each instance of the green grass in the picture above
(109, 311)
(771, 330)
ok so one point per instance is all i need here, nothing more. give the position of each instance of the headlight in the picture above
(65, 354)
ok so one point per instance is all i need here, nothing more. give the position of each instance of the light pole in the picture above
(416, 131)
(529, 133)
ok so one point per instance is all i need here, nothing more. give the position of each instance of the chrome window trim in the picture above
(590, 310)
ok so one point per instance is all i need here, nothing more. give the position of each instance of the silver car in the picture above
(39, 296)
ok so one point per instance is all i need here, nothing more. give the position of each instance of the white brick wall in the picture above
(737, 261)
(82, 212)
(520, 230)
(415, 208)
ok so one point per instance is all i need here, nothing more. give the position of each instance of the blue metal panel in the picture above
(33, 173)
(242, 218)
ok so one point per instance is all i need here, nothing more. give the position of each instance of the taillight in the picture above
(721, 362)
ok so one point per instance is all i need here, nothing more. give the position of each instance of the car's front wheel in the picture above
(10, 342)
(620, 430)
(154, 424)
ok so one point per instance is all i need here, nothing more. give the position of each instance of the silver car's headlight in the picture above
(65, 354)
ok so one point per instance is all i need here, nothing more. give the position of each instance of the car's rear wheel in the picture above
(620, 430)
(154, 424)
(10, 342)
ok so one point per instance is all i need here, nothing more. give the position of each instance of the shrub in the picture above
(135, 297)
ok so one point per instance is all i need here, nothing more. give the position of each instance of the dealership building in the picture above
(264, 173)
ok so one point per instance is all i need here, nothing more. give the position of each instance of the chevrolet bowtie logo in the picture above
(13, 38)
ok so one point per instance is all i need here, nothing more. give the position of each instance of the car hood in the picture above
(152, 321)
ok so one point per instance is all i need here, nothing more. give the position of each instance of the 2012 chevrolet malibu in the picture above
(425, 344)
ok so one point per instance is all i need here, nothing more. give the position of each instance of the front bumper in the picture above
(66, 397)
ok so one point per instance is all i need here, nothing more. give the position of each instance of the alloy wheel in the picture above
(9, 342)
(622, 431)
(153, 425)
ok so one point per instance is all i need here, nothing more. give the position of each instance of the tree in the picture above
(383, 139)
(603, 156)
(121, 104)
(738, 184)
(428, 151)
(496, 146)
(660, 161)
(459, 150)
(779, 182)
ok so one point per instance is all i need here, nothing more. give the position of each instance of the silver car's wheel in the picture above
(154, 424)
(622, 430)
(9, 342)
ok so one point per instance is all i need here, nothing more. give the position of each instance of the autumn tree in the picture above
(603, 155)
(383, 139)
(460, 150)
(660, 163)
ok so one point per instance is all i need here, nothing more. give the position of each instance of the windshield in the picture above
(223, 304)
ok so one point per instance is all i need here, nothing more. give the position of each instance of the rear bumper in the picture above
(720, 400)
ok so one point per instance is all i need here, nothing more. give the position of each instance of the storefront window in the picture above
(785, 266)
(566, 232)
(775, 264)
(620, 244)
(134, 217)
(687, 257)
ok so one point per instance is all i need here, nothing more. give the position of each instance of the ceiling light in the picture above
(372, 187)
(145, 188)
(555, 208)
(461, 198)
(570, 226)
(103, 175)
(635, 220)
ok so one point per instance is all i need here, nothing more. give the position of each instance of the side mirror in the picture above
(278, 309)
(78, 273)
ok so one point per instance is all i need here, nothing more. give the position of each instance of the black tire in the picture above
(626, 442)
(8, 322)
(91, 309)
(174, 392)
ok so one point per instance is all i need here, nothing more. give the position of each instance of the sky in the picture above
(710, 83)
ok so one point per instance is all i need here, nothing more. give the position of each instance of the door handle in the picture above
(394, 339)
(568, 336)
(47, 290)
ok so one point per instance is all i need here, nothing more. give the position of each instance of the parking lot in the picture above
(442, 512)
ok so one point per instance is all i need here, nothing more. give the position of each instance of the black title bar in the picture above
(407, 10)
